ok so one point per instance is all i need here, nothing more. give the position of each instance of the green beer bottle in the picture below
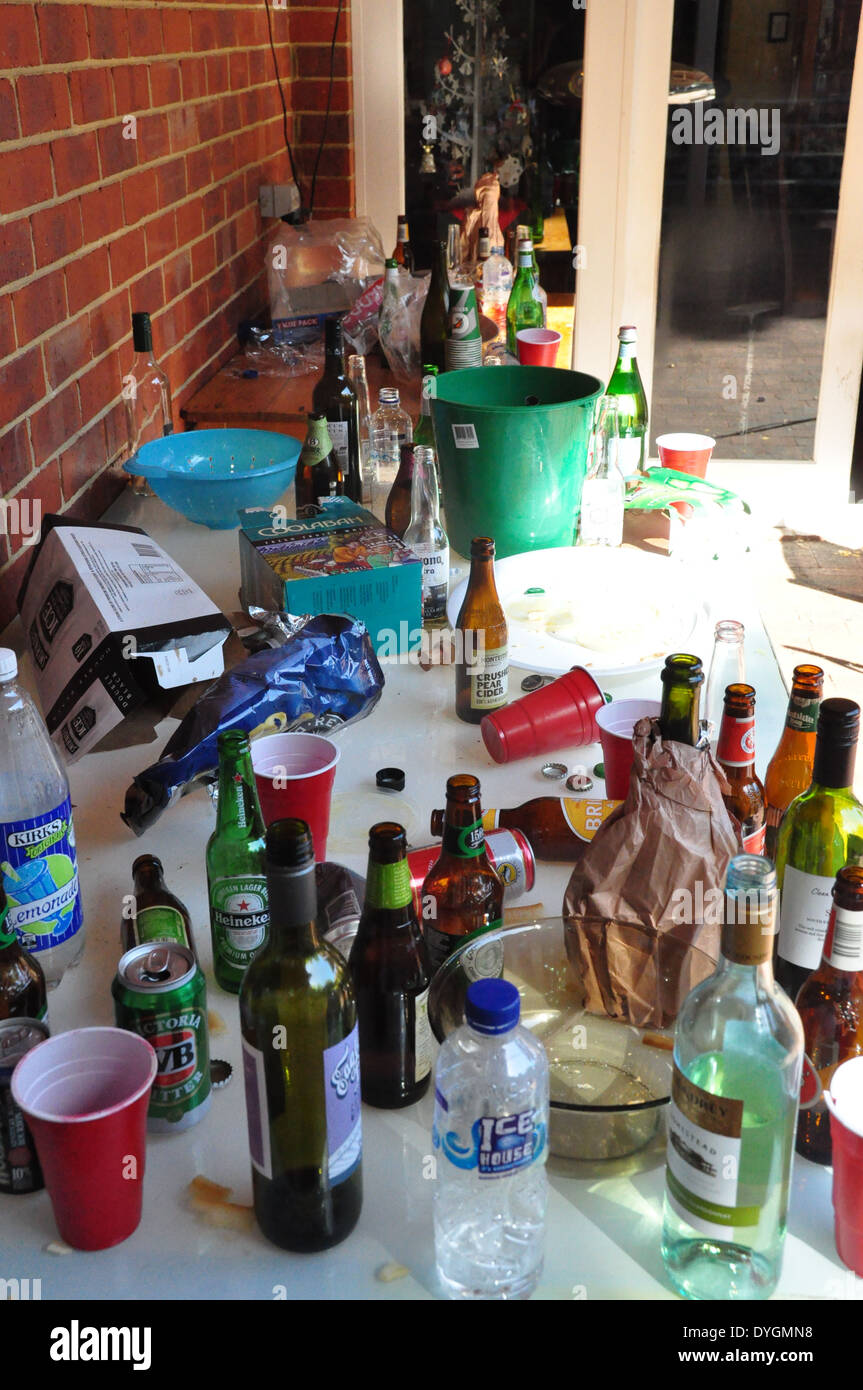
(626, 385)
(301, 1063)
(236, 880)
(524, 309)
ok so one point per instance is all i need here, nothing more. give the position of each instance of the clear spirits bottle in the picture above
(146, 394)
(427, 538)
(738, 1053)
(604, 491)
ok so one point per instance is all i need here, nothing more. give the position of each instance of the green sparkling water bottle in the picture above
(524, 309)
(627, 386)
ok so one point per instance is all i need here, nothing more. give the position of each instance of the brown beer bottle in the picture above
(682, 678)
(22, 984)
(461, 894)
(830, 1004)
(157, 915)
(789, 771)
(390, 971)
(482, 670)
(402, 253)
(735, 753)
(555, 827)
(398, 509)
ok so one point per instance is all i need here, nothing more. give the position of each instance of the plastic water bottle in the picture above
(497, 276)
(391, 427)
(491, 1140)
(38, 862)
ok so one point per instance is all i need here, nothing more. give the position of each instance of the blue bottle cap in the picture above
(492, 1006)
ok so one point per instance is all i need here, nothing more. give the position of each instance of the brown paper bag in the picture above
(651, 883)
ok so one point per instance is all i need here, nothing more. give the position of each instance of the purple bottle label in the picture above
(344, 1123)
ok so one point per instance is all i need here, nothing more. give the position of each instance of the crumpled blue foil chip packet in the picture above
(324, 675)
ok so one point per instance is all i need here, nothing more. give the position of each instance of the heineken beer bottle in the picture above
(236, 877)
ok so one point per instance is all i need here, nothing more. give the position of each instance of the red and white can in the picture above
(508, 851)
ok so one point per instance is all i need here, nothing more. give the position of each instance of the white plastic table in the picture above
(604, 1218)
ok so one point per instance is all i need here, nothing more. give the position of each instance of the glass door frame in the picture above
(623, 139)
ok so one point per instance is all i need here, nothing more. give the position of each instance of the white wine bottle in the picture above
(738, 1054)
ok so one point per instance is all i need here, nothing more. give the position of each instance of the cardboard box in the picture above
(110, 618)
(341, 561)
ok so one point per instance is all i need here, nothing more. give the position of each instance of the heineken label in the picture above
(465, 841)
(240, 917)
(802, 715)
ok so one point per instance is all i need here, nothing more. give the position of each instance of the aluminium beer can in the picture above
(19, 1164)
(161, 994)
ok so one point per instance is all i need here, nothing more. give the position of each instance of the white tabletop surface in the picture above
(603, 1219)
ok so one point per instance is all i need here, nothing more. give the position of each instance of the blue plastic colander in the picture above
(207, 475)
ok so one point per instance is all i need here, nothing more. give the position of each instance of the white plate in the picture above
(618, 612)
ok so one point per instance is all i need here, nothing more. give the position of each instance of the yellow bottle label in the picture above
(585, 817)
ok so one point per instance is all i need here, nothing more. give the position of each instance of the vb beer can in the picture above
(160, 993)
(19, 1165)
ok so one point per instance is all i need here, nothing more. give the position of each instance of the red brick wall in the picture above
(94, 225)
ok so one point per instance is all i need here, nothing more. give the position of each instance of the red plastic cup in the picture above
(689, 453)
(616, 723)
(84, 1095)
(537, 347)
(559, 715)
(294, 774)
(845, 1103)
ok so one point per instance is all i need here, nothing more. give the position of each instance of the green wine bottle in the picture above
(627, 386)
(821, 832)
(334, 396)
(434, 324)
(738, 1054)
(682, 678)
(524, 309)
(298, 1021)
(236, 881)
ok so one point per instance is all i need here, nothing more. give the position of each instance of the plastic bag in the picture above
(319, 269)
(400, 325)
(325, 675)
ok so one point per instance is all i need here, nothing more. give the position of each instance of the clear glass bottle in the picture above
(38, 859)
(427, 538)
(359, 381)
(146, 394)
(627, 385)
(389, 304)
(604, 490)
(727, 667)
(391, 429)
(738, 1053)
(490, 1139)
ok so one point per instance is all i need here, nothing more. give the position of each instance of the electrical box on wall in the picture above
(278, 199)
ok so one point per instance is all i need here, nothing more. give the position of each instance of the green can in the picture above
(161, 994)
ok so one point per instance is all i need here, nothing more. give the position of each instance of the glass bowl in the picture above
(609, 1078)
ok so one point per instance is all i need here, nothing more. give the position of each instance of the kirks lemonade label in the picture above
(39, 871)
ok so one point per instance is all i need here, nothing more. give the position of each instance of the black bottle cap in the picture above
(390, 779)
(289, 845)
(142, 333)
(839, 722)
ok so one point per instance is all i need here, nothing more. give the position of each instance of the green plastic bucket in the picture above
(512, 447)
